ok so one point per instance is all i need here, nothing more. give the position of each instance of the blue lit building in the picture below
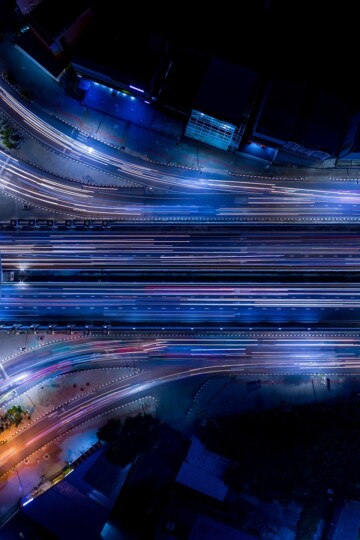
(122, 57)
(50, 33)
(224, 92)
(304, 120)
(223, 104)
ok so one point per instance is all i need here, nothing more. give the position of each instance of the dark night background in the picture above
(306, 41)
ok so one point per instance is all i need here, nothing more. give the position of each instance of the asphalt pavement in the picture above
(161, 142)
(164, 143)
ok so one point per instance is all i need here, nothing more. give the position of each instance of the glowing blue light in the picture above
(254, 145)
(138, 89)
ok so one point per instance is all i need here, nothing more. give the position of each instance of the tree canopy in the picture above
(296, 453)
(129, 439)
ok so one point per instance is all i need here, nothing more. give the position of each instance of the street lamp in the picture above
(31, 401)
(20, 482)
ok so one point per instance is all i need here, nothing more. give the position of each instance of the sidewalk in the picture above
(43, 398)
(161, 142)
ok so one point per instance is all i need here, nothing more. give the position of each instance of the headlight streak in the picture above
(197, 252)
(279, 198)
(193, 355)
(184, 357)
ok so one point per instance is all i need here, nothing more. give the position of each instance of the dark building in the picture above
(25, 6)
(350, 150)
(140, 502)
(60, 31)
(223, 105)
(49, 34)
(307, 120)
(271, 82)
(134, 60)
(76, 507)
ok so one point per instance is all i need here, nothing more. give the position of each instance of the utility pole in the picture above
(31, 401)
(312, 382)
(20, 482)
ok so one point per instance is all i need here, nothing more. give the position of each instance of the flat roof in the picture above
(226, 90)
(50, 20)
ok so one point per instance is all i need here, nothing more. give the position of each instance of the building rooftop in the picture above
(204, 471)
(49, 23)
(227, 89)
(78, 506)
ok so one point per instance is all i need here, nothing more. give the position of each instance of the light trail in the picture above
(212, 197)
(188, 250)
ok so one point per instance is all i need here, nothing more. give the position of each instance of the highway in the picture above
(207, 272)
(160, 360)
(239, 200)
(155, 192)
(233, 249)
(182, 276)
(179, 302)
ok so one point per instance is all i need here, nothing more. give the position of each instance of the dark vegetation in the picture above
(308, 454)
(13, 417)
(9, 134)
(127, 440)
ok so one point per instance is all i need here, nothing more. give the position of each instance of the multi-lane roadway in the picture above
(209, 249)
(156, 192)
(159, 359)
(228, 275)
(187, 249)
(155, 304)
